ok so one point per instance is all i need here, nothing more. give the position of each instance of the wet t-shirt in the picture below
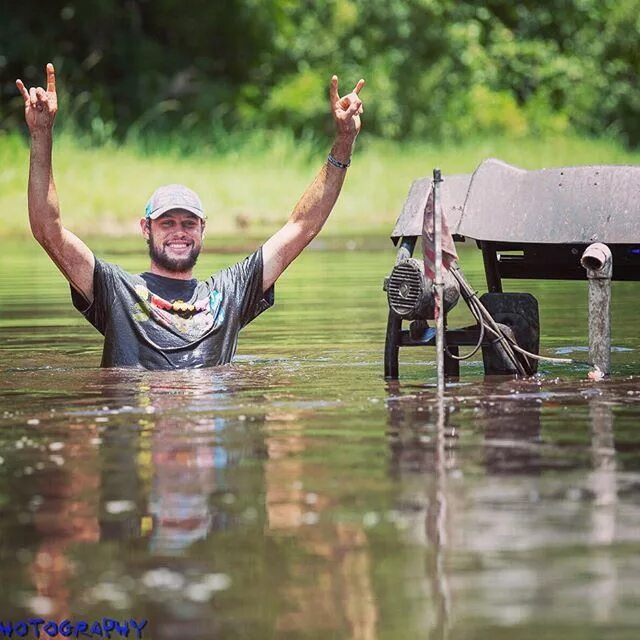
(154, 322)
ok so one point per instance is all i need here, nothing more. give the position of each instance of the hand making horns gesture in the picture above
(40, 106)
(346, 110)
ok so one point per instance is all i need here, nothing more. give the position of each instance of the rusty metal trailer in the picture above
(528, 225)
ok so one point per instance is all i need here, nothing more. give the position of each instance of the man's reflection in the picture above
(329, 579)
(204, 509)
(67, 516)
(186, 472)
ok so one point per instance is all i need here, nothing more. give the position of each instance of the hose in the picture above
(484, 318)
(488, 324)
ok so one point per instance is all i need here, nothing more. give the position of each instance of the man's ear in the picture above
(145, 225)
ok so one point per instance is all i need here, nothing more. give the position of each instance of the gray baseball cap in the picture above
(173, 196)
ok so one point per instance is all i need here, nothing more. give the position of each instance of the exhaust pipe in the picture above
(598, 263)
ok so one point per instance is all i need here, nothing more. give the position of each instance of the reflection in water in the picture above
(66, 515)
(215, 510)
(511, 435)
(186, 459)
(436, 524)
(172, 494)
(142, 468)
(330, 589)
(187, 469)
(602, 483)
(475, 524)
(422, 442)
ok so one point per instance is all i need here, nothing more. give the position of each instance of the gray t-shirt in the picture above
(154, 322)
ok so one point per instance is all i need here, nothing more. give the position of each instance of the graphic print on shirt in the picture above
(190, 319)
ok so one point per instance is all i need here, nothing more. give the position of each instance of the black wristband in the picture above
(336, 163)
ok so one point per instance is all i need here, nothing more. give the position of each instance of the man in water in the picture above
(165, 318)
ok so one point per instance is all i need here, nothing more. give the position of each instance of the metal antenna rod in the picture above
(439, 280)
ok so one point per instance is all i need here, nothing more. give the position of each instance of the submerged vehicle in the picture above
(563, 223)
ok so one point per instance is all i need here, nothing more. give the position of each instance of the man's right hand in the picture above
(70, 254)
(40, 106)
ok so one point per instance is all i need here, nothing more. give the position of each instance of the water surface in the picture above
(294, 494)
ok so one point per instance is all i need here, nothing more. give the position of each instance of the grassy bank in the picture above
(248, 191)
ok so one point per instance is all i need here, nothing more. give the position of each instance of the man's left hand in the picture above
(346, 110)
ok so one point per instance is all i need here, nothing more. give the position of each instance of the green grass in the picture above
(249, 188)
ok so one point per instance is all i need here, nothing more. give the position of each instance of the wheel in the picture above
(518, 313)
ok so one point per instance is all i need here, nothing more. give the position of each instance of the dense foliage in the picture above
(435, 69)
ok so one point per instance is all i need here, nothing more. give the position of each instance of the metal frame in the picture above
(529, 225)
(537, 261)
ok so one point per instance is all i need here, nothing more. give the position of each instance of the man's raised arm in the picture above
(69, 253)
(313, 209)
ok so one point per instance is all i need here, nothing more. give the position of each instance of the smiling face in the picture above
(175, 240)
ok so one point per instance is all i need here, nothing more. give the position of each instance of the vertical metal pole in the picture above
(439, 283)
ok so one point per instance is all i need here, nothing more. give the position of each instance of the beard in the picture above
(177, 265)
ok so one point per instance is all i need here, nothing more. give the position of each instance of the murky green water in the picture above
(295, 495)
